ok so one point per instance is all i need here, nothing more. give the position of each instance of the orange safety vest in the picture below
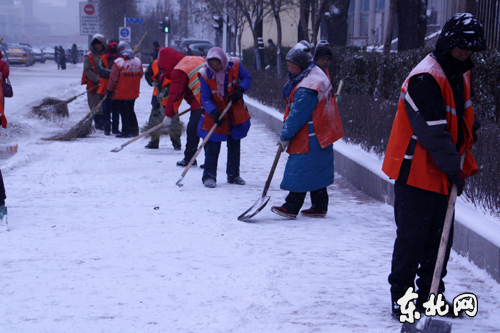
(103, 83)
(165, 83)
(3, 119)
(237, 113)
(325, 117)
(156, 70)
(90, 84)
(129, 81)
(424, 172)
(191, 65)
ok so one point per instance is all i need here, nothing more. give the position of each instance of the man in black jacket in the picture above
(435, 124)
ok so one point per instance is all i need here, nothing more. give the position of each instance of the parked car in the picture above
(48, 52)
(39, 55)
(5, 54)
(200, 49)
(184, 44)
(20, 54)
(31, 55)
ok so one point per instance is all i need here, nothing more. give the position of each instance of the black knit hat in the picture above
(300, 54)
(464, 31)
(323, 50)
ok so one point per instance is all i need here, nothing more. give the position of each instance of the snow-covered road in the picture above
(106, 242)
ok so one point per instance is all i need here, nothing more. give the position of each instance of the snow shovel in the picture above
(50, 108)
(427, 324)
(160, 125)
(178, 183)
(264, 199)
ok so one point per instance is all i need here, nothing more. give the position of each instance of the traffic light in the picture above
(166, 25)
(220, 24)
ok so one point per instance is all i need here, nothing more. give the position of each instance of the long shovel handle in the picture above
(202, 145)
(136, 48)
(75, 97)
(160, 125)
(273, 168)
(436, 278)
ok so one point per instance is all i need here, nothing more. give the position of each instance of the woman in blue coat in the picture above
(308, 134)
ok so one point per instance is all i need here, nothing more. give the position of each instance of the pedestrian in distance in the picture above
(159, 98)
(110, 114)
(123, 87)
(182, 72)
(62, 58)
(90, 77)
(312, 125)
(74, 54)
(56, 55)
(434, 125)
(223, 80)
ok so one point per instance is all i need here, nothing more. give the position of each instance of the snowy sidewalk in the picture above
(106, 242)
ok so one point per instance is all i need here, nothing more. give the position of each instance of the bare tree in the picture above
(412, 24)
(314, 8)
(393, 9)
(112, 13)
(276, 7)
(336, 21)
(254, 12)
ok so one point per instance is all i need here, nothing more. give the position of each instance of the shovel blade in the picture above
(117, 149)
(433, 326)
(255, 209)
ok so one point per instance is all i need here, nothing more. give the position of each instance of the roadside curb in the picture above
(476, 236)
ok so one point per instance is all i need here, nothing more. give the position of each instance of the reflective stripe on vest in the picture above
(191, 65)
(424, 172)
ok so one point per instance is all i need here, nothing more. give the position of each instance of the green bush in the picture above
(372, 83)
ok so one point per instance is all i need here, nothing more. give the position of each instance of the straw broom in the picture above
(80, 130)
(53, 108)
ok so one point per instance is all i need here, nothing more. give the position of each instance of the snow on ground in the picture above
(106, 242)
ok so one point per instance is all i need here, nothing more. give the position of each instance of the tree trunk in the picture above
(276, 13)
(317, 10)
(412, 24)
(302, 33)
(471, 7)
(393, 9)
(337, 23)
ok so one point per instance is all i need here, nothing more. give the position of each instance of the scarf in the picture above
(220, 76)
(294, 80)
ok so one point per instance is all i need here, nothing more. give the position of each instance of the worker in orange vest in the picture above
(434, 125)
(312, 125)
(90, 78)
(123, 87)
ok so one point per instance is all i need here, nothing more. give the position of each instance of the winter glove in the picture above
(459, 180)
(109, 95)
(167, 121)
(284, 144)
(155, 84)
(160, 96)
(216, 114)
(237, 94)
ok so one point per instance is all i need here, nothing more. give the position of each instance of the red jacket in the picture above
(168, 59)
